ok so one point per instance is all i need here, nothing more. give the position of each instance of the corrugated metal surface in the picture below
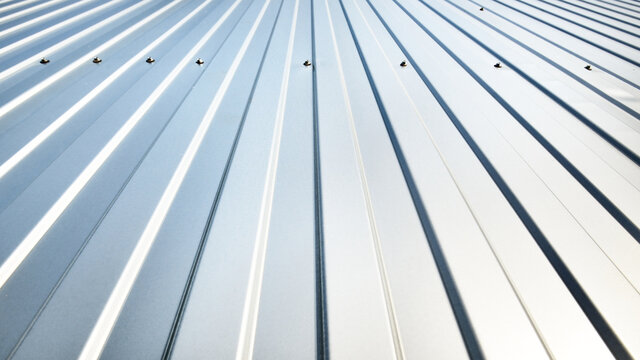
(444, 179)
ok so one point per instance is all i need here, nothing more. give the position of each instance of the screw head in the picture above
(588, 67)
(497, 65)
(306, 63)
(403, 64)
(97, 60)
(44, 61)
(150, 60)
(199, 61)
(481, 9)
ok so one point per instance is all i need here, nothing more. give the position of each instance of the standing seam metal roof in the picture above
(347, 179)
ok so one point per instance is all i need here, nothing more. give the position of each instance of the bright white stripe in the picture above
(43, 17)
(375, 236)
(55, 125)
(18, 4)
(28, 10)
(52, 28)
(247, 335)
(32, 239)
(45, 83)
(100, 333)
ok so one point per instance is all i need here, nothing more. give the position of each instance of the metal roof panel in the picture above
(357, 179)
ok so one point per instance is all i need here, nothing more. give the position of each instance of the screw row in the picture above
(199, 61)
(97, 60)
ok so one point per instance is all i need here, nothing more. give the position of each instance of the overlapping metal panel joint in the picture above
(316, 179)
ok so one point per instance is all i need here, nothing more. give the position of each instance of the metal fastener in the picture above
(403, 64)
(97, 60)
(588, 67)
(44, 61)
(199, 61)
(150, 60)
(306, 63)
(497, 65)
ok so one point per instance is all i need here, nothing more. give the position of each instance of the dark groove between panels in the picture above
(462, 318)
(595, 317)
(610, 37)
(603, 48)
(95, 228)
(595, 128)
(322, 331)
(182, 305)
(564, 70)
(601, 14)
(594, 19)
(587, 61)
(612, 4)
(91, 233)
(593, 190)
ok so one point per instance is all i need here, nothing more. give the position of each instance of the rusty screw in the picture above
(44, 61)
(199, 61)
(97, 60)
(403, 64)
(306, 63)
(497, 65)
(150, 60)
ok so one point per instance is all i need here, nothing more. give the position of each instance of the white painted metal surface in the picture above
(347, 179)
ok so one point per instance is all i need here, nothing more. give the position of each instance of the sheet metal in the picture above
(347, 179)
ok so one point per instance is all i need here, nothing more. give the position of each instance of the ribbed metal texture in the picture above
(301, 179)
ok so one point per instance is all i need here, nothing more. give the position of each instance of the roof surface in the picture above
(300, 179)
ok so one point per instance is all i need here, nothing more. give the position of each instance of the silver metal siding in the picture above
(442, 179)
